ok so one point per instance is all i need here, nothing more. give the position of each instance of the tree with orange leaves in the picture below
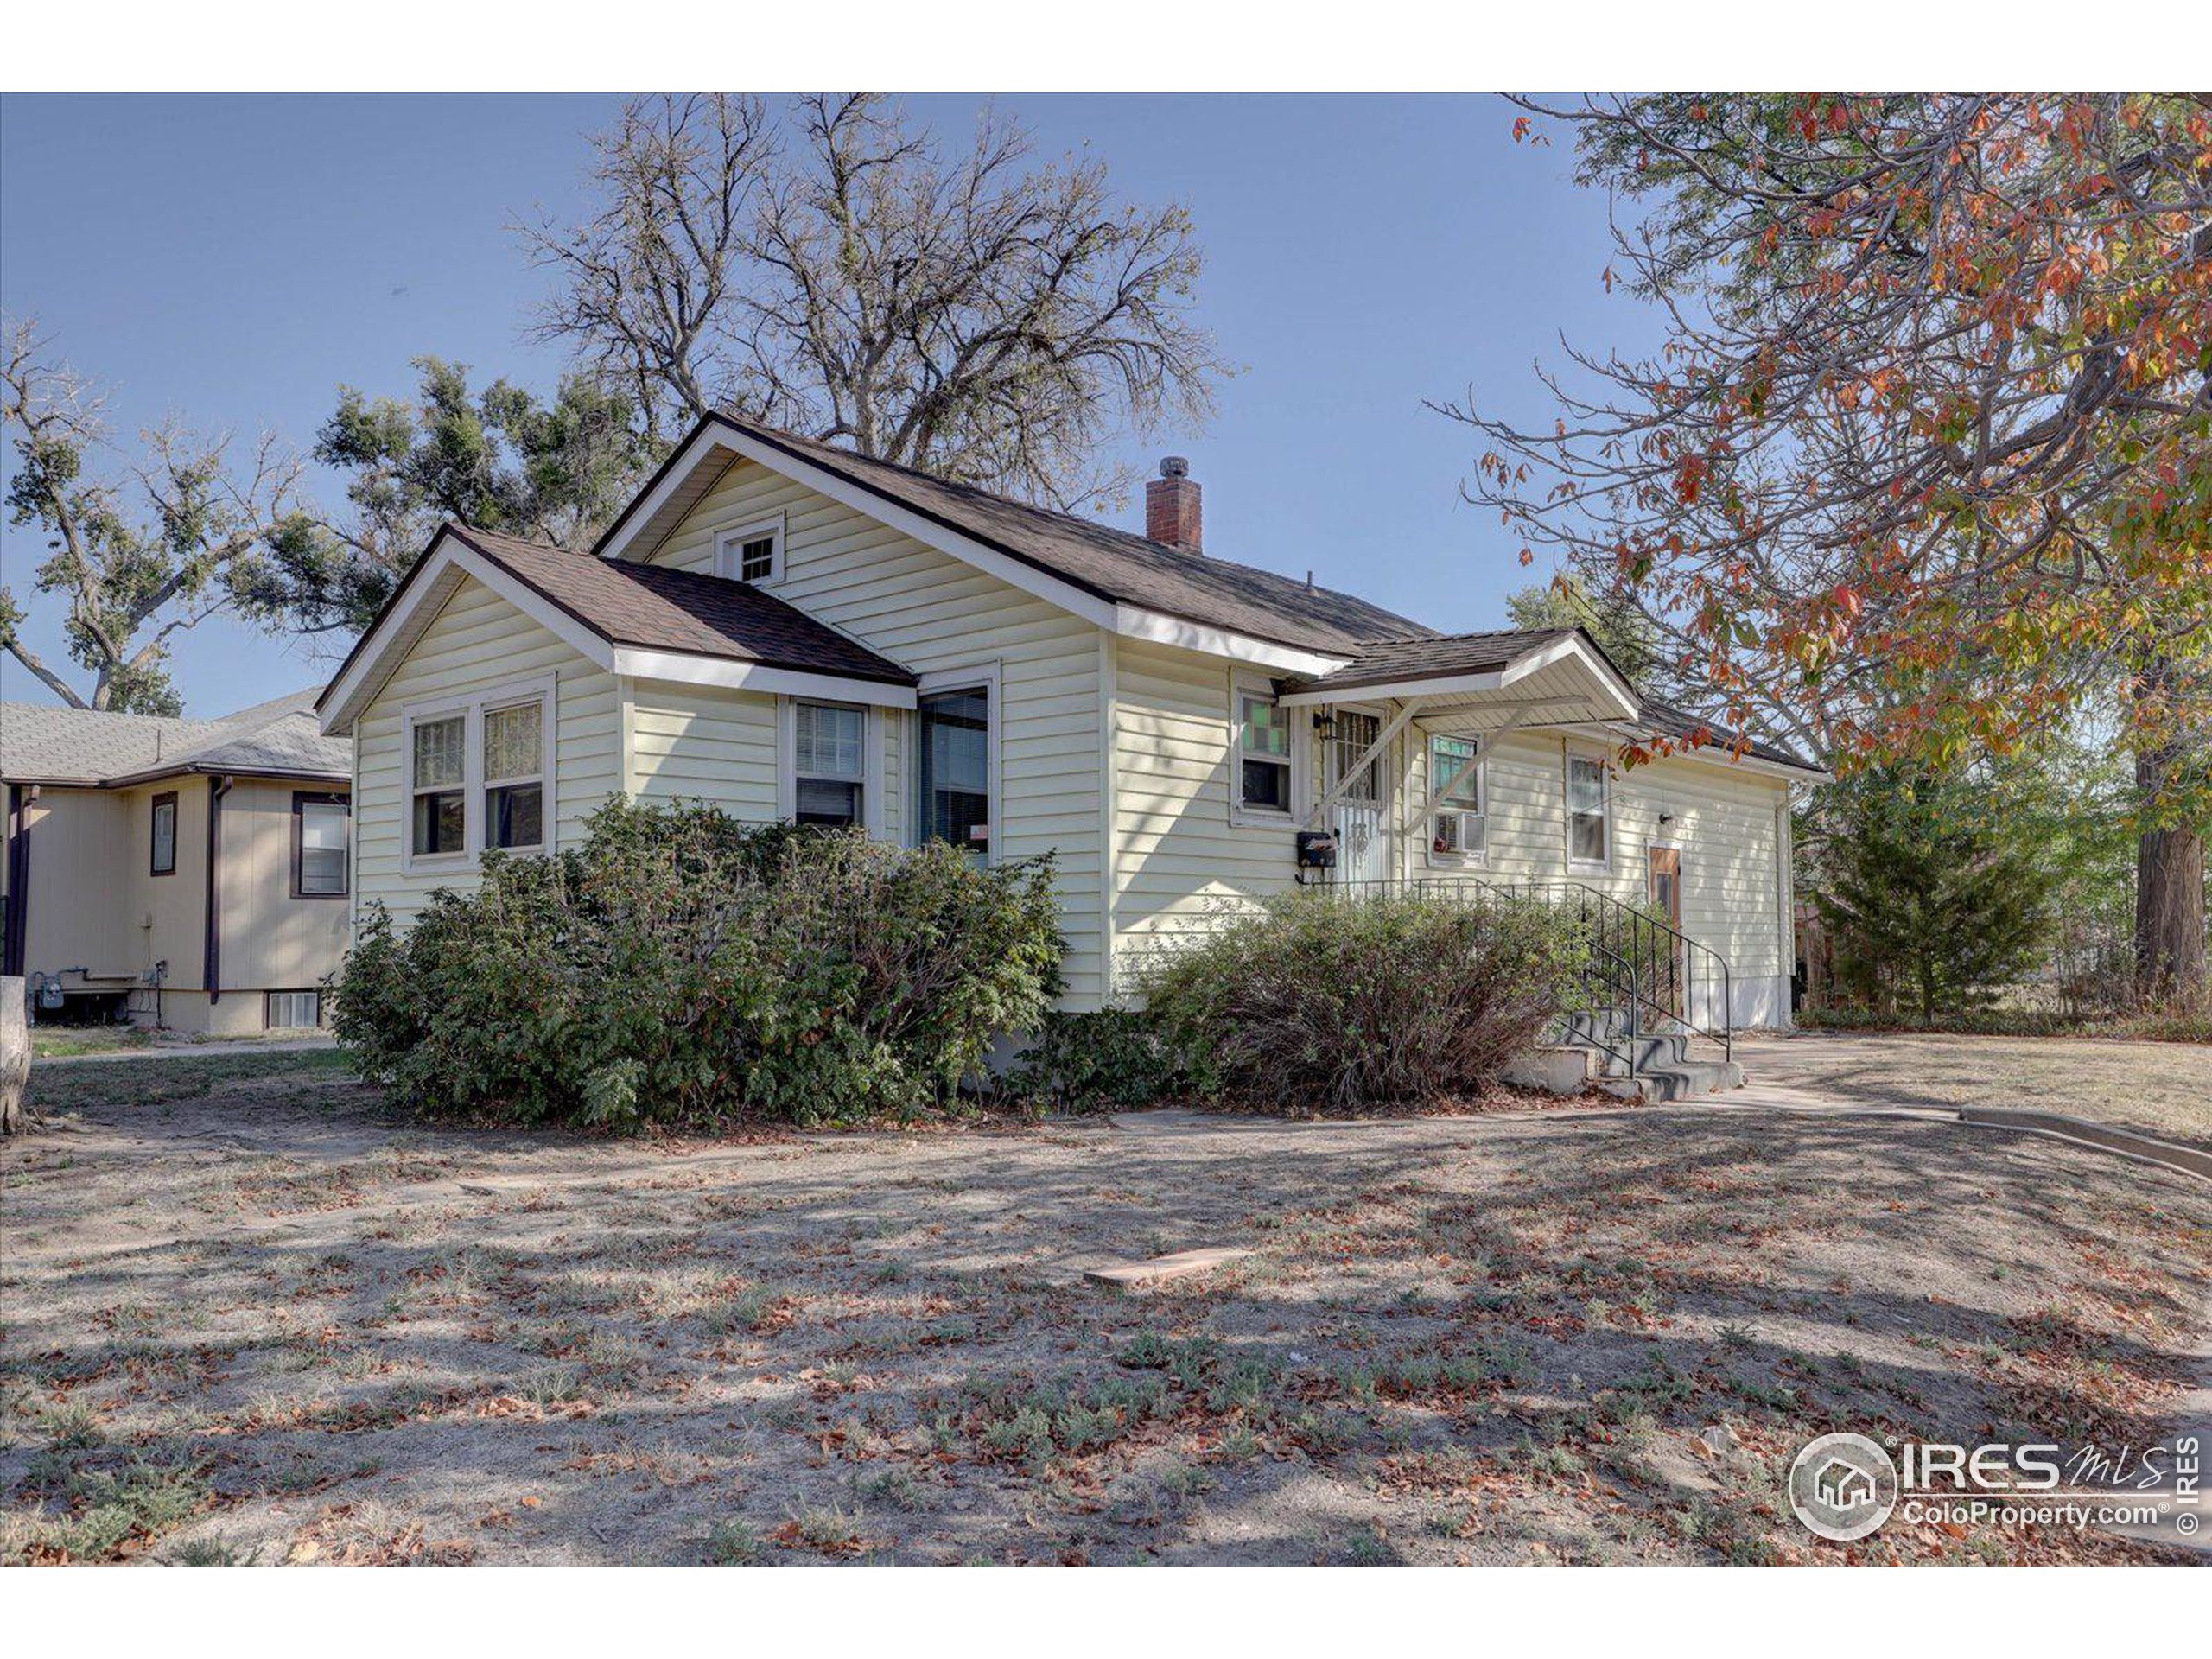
(1924, 470)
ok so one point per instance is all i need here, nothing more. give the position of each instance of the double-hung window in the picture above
(514, 775)
(953, 770)
(478, 774)
(828, 764)
(1455, 787)
(440, 759)
(318, 827)
(1263, 760)
(1589, 812)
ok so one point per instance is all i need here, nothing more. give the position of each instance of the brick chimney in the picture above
(1171, 508)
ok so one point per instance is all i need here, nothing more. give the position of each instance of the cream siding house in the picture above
(791, 631)
(190, 873)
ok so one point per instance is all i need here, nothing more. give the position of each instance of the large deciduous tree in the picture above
(843, 273)
(501, 459)
(142, 548)
(1923, 467)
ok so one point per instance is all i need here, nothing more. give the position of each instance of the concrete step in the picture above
(1648, 1053)
(1682, 1080)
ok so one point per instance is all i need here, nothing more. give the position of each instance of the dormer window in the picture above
(754, 554)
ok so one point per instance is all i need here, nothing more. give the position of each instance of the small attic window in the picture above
(754, 553)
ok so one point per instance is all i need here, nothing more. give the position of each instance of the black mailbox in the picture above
(1317, 849)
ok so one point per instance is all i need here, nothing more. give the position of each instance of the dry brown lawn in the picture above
(251, 1317)
(2161, 1089)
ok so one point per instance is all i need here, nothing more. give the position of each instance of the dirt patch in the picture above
(2163, 1090)
(267, 1322)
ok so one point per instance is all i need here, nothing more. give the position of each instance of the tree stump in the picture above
(14, 1052)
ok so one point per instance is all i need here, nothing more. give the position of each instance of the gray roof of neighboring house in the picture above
(661, 609)
(279, 738)
(1109, 563)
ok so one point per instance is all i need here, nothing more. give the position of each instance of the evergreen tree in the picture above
(1932, 901)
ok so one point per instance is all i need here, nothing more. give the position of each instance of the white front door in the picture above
(1363, 835)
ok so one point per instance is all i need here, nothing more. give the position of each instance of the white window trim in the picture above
(729, 549)
(1262, 817)
(1432, 803)
(472, 707)
(269, 1010)
(1568, 756)
(874, 782)
(984, 678)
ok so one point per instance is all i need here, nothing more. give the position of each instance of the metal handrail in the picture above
(1684, 957)
(1631, 941)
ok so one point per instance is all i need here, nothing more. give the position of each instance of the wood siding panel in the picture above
(934, 614)
(478, 643)
(271, 941)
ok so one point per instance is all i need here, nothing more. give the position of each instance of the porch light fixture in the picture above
(1324, 725)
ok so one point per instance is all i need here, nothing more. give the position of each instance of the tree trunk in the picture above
(15, 1053)
(2170, 957)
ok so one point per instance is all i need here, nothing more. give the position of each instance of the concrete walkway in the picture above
(193, 1051)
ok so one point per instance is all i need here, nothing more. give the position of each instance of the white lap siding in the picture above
(479, 642)
(934, 615)
(1724, 819)
(698, 743)
(1182, 862)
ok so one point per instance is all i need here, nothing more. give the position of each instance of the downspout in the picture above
(211, 969)
(12, 946)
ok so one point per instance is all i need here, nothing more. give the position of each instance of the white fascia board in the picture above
(1622, 693)
(1456, 685)
(1720, 754)
(448, 556)
(1131, 621)
(729, 674)
(1090, 606)
(1134, 622)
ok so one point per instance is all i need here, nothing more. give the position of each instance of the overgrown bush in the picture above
(1316, 1000)
(682, 967)
(1089, 1062)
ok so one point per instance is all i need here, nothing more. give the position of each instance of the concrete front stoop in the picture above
(1670, 1067)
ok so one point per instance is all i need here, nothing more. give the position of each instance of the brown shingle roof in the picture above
(680, 611)
(1106, 562)
(1665, 718)
(1382, 661)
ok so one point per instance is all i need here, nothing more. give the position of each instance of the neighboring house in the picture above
(789, 630)
(193, 874)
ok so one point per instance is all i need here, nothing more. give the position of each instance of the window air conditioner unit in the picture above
(1459, 832)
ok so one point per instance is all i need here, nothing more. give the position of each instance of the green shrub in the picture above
(1320, 999)
(682, 967)
(1087, 1062)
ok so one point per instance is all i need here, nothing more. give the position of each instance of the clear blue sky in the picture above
(235, 259)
